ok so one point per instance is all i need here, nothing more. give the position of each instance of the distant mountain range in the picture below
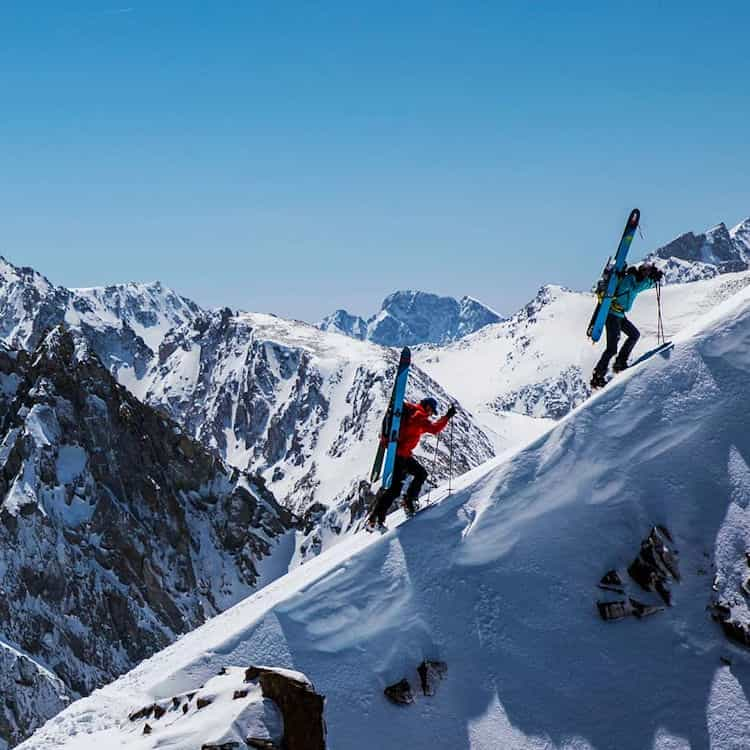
(409, 317)
(692, 257)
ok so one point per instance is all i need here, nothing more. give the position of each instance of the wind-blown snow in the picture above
(499, 581)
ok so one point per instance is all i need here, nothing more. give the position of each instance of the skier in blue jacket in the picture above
(632, 282)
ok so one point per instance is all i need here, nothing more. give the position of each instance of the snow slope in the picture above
(539, 362)
(500, 581)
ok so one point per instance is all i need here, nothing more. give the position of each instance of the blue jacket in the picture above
(627, 289)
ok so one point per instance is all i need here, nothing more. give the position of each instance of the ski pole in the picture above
(450, 460)
(432, 471)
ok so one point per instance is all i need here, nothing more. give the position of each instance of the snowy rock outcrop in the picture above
(257, 707)
(693, 257)
(117, 531)
(31, 694)
(408, 318)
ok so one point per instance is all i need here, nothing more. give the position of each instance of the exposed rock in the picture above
(430, 674)
(693, 257)
(301, 707)
(400, 693)
(652, 570)
(611, 581)
(235, 714)
(641, 610)
(613, 610)
(734, 628)
(656, 564)
(29, 693)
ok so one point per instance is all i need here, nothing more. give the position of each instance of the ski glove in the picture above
(656, 274)
(451, 412)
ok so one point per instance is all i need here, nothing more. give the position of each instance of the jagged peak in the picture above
(24, 274)
(68, 348)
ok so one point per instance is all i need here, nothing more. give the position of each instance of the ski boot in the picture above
(598, 380)
(410, 508)
(372, 526)
(619, 366)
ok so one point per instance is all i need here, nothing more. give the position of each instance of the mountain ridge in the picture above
(410, 317)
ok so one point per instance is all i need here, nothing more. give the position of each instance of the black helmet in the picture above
(431, 402)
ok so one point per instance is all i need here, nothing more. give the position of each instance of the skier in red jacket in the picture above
(415, 422)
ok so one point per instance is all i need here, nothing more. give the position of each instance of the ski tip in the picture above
(635, 216)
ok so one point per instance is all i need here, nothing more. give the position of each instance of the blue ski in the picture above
(665, 347)
(393, 418)
(605, 289)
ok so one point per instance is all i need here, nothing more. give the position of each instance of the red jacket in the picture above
(414, 423)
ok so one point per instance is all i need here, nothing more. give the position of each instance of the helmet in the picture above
(431, 402)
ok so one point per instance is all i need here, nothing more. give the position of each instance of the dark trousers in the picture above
(403, 468)
(615, 325)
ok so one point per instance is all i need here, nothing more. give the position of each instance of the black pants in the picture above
(403, 468)
(614, 325)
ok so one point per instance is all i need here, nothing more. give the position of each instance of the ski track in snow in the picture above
(499, 580)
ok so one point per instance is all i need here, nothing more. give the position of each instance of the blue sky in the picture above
(303, 156)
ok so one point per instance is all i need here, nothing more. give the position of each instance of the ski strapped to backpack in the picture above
(605, 288)
(385, 457)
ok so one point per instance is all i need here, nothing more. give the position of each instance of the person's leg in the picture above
(613, 325)
(388, 496)
(419, 474)
(632, 334)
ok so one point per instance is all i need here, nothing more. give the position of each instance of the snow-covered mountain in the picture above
(408, 318)
(282, 398)
(117, 531)
(508, 593)
(692, 257)
(124, 323)
(300, 406)
(538, 363)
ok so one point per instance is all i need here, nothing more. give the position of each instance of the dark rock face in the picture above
(735, 629)
(656, 564)
(408, 318)
(29, 692)
(301, 708)
(431, 673)
(110, 519)
(399, 693)
(691, 257)
(715, 246)
(653, 569)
